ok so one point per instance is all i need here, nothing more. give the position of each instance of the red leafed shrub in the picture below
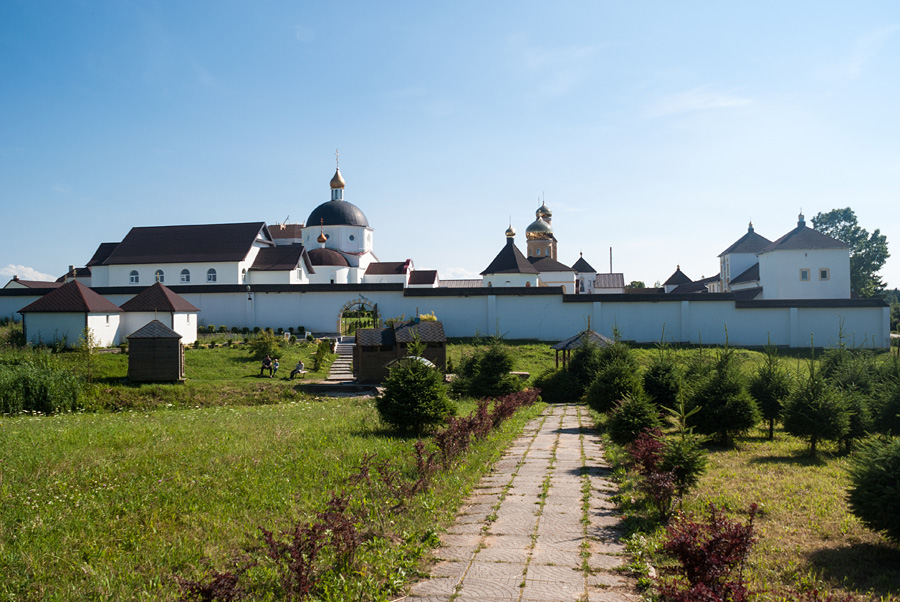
(646, 451)
(712, 556)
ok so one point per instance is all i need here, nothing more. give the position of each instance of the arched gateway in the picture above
(357, 313)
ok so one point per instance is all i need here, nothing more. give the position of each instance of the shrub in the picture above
(631, 417)
(38, 385)
(860, 421)
(584, 364)
(223, 329)
(618, 377)
(264, 344)
(886, 409)
(256, 330)
(816, 411)
(486, 373)
(235, 330)
(770, 386)
(414, 398)
(725, 407)
(323, 349)
(557, 386)
(875, 489)
(711, 556)
(245, 330)
(210, 328)
(686, 460)
(662, 380)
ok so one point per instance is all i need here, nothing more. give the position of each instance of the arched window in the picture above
(185, 275)
(160, 277)
(210, 275)
(244, 275)
(527, 284)
(133, 277)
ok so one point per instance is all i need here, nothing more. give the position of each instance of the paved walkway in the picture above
(539, 528)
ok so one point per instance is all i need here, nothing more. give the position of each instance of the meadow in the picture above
(153, 482)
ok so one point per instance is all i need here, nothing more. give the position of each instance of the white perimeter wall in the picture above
(547, 317)
(51, 327)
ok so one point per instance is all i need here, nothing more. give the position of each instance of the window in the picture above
(804, 274)
(527, 284)
(244, 275)
(824, 274)
(160, 277)
(210, 275)
(133, 277)
(185, 275)
(352, 238)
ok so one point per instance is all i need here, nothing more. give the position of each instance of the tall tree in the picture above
(868, 252)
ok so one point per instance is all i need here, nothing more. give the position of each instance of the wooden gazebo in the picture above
(155, 354)
(574, 342)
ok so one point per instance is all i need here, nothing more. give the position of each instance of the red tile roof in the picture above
(73, 297)
(388, 268)
(158, 297)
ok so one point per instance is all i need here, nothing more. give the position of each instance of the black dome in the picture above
(337, 213)
(326, 257)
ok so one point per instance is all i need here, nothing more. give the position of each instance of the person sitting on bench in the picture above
(298, 369)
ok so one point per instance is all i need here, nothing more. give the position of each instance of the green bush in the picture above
(323, 349)
(770, 386)
(875, 489)
(886, 409)
(662, 381)
(38, 386)
(223, 329)
(860, 423)
(414, 398)
(816, 411)
(725, 407)
(558, 386)
(686, 460)
(631, 417)
(619, 376)
(264, 344)
(486, 373)
(584, 364)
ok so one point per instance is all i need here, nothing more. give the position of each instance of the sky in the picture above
(656, 129)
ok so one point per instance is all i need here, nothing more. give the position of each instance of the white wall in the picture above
(779, 274)
(549, 318)
(509, 280)
(49, 328)
(53, 327)
(226, 272)
(563, 279)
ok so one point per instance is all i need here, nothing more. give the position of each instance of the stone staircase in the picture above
(342, 368)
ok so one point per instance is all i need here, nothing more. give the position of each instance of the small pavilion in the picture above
(579, 340)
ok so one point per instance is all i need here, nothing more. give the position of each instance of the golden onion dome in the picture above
(321, 238)
(543, 211)
(510, 232)
(538, 229)
(338, 180)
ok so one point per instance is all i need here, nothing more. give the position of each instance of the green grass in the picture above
(111, 506)
(807, 536)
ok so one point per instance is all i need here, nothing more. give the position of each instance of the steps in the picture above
(342, 368)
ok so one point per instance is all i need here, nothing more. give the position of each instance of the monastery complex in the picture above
(291, 275)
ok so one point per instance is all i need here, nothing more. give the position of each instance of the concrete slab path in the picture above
(540, 527)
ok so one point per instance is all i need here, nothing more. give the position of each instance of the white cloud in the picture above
(24, 273)
(698, 99)
(864, 49)
(457, 273)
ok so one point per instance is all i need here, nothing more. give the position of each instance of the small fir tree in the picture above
(415, 397)
(770, 386)
(726, 408)
(875, 489)
(631, 417)
(816, 411)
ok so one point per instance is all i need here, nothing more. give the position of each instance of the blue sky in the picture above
(659, 129)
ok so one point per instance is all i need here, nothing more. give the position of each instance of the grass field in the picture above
(112, 506)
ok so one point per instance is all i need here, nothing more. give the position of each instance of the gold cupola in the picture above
(538, 229)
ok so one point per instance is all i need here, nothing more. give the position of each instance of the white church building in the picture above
(253, 274)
